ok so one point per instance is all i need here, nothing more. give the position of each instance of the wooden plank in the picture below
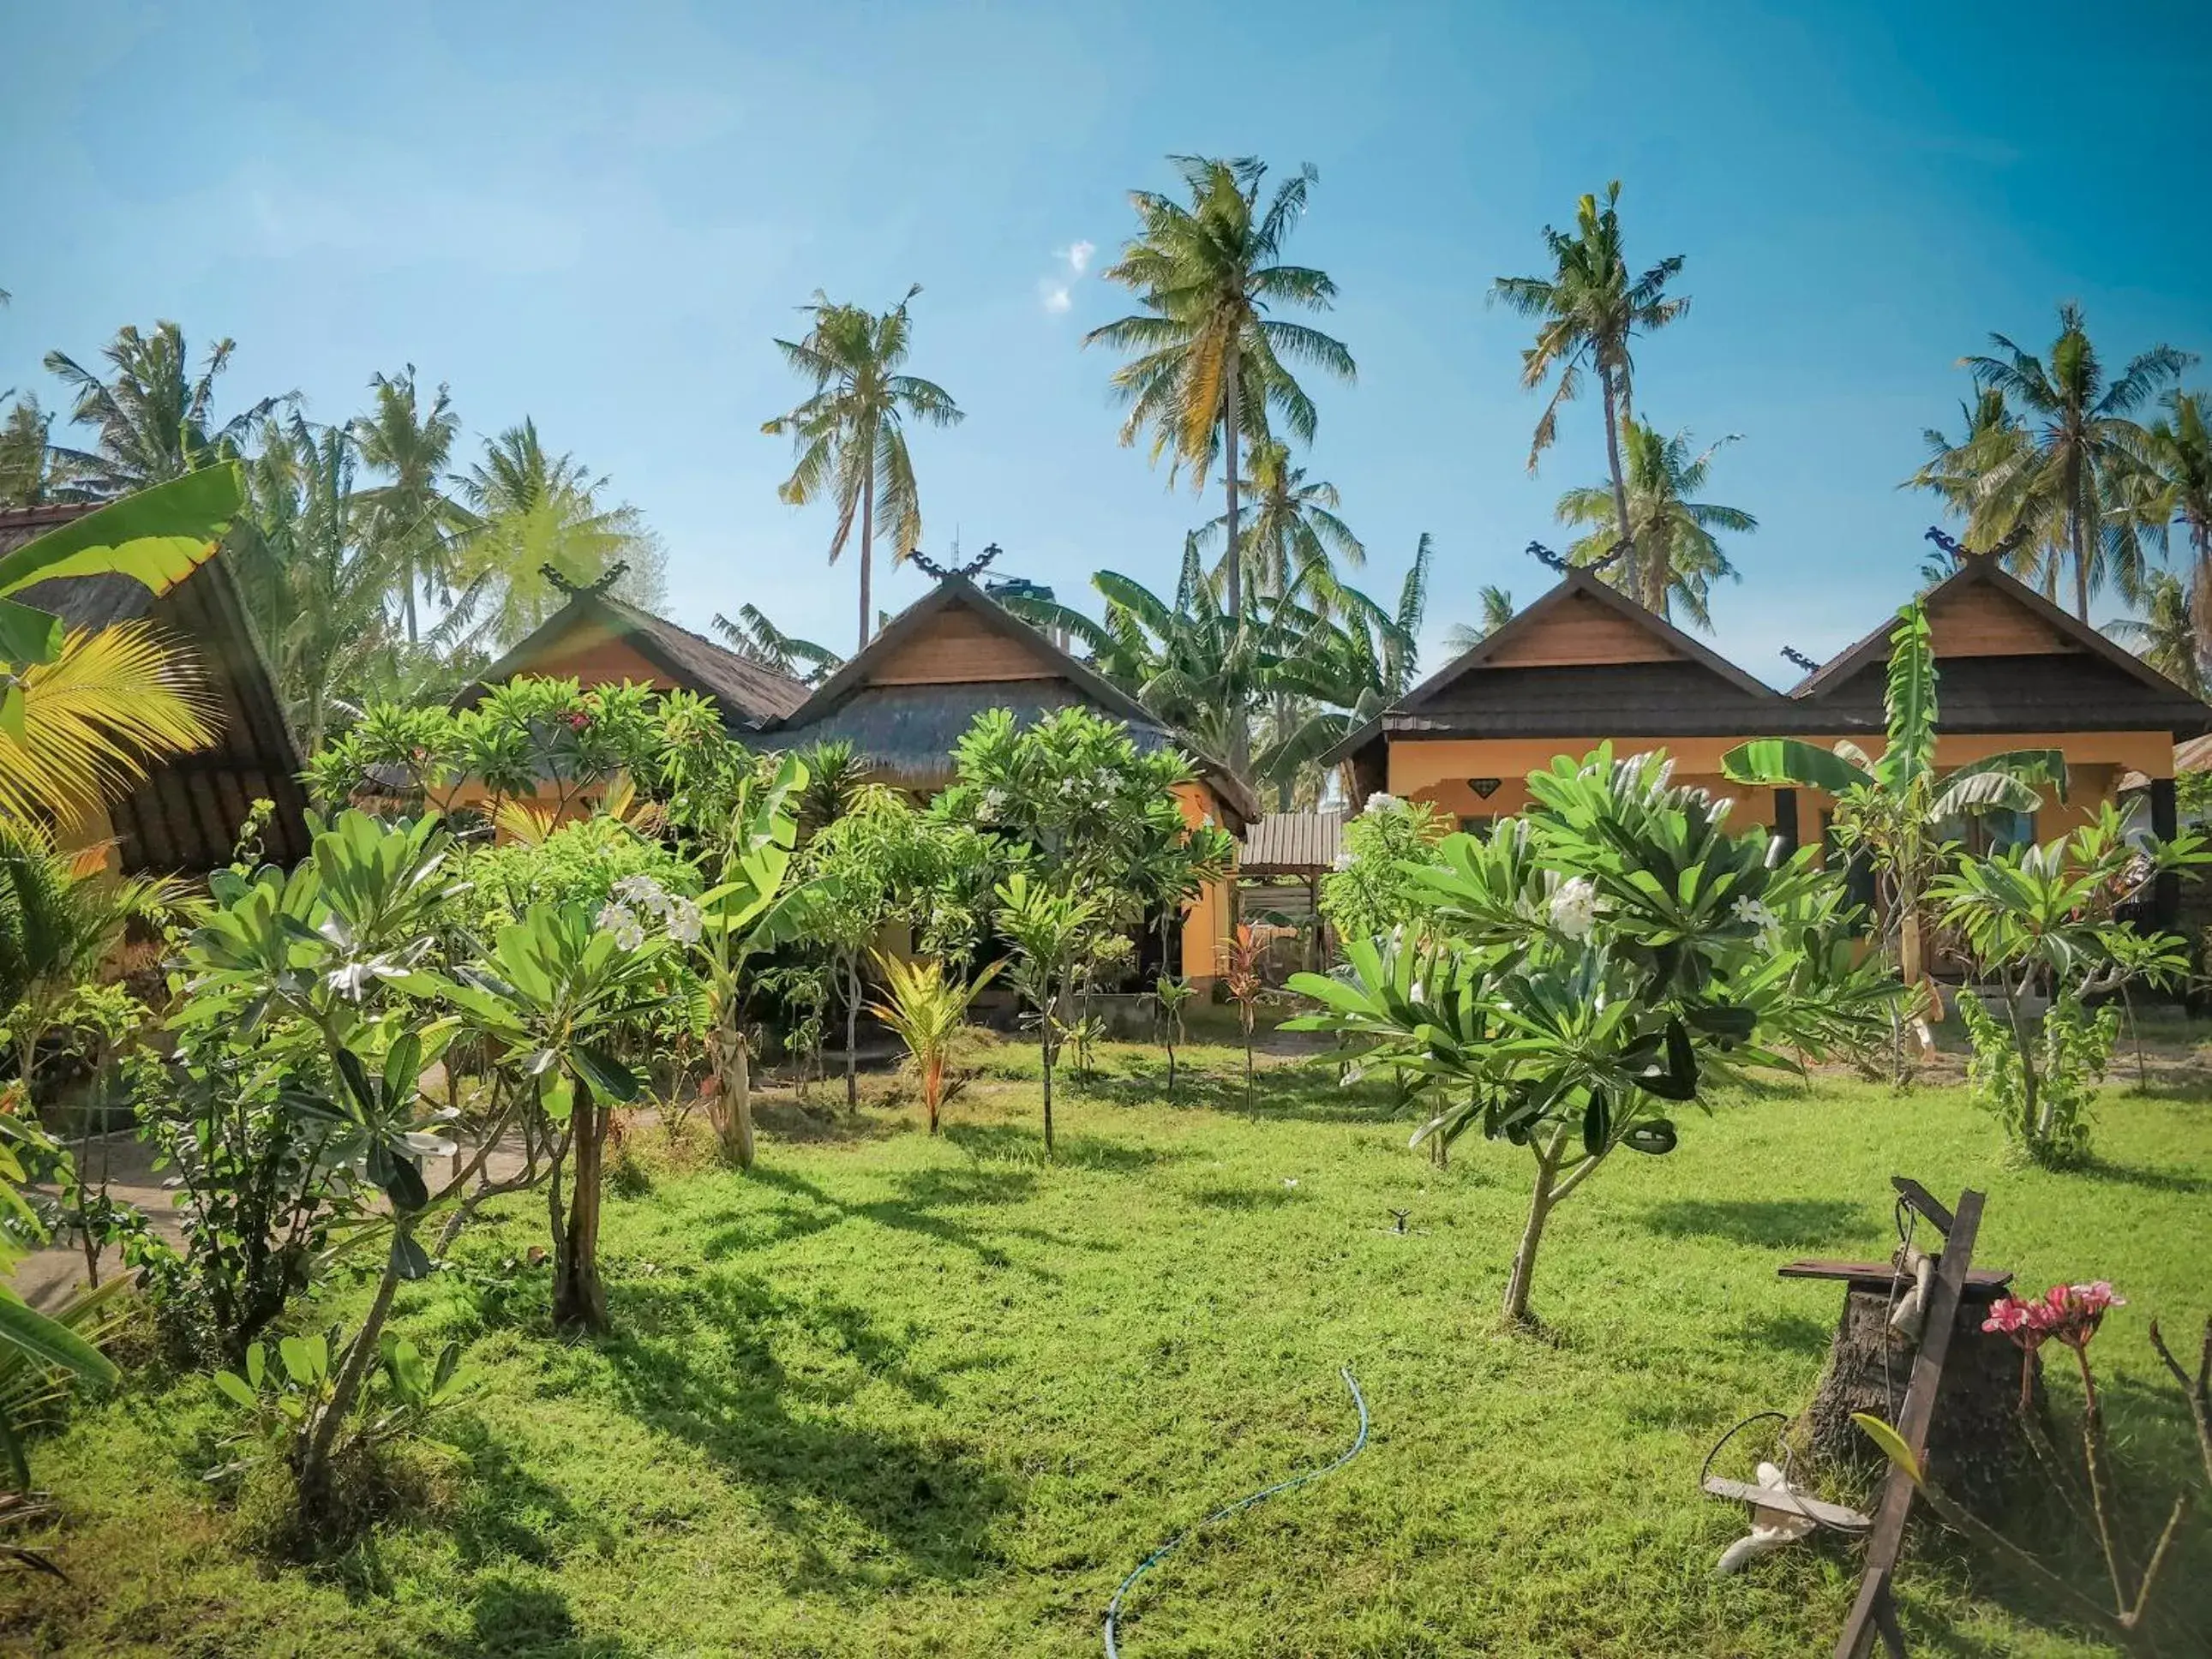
(958, 647)
(1980, 622)
(1829, 1514)
(1873, 1607)
(1980, 1283)
(1922, 1200)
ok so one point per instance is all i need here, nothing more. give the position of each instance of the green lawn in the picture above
(897, 1395)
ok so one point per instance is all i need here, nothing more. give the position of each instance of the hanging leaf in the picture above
(1656, 1138)
(412, 1261)
(1597, 1123)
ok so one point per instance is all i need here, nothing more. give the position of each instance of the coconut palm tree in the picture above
(411, 515)
(31, 471)
(1992, 442)
(1681, 557)
(2072, 479)
(756, 639)
(318, 577)
(154, 418)
(2167, 636)
(2174, 488)
(1293, 530)
(849, 434)
(1209, 364)
(1496, 609)
(1588, 312)
(539, 525)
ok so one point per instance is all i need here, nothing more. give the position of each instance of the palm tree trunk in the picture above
(2081, 536)
(867, 547)
(1240, 735)
(1624, 546)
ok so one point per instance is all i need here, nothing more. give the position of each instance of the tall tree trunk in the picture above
(579, 1299)
(408, 592)
(1624, 544)
(1532, 1236)
(315, 1471)
(733, 1089)
(2076, 512)
(852, 1034)
(867, 545)
(1240, 731)
(1046, 1048)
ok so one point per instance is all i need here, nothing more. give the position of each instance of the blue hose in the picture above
(1114, 1607)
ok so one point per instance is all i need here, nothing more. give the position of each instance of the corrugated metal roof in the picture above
(1300, 841)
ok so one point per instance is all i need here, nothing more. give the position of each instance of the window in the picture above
(1998, 829)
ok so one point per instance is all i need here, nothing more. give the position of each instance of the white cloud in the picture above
(1054, 295)
(1078, 255)
(1057, 292)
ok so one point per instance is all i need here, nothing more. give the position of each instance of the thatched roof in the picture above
(187, 816)
(908, 730)
(747, 693)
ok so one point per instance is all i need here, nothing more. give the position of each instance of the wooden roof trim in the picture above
(957, 590)
(1983, 571)
(1582, 583)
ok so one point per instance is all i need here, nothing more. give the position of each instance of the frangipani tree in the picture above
(1592, 963)
(1893, 810)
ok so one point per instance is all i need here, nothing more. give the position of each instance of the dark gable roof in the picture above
(748, 693)
(2102, 686)
(910, 729)
(187, 815)
(1694, 692)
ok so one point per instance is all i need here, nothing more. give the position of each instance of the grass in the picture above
(893, 1395)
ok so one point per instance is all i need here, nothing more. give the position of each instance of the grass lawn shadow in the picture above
(1781, 1224)
(707, 1376)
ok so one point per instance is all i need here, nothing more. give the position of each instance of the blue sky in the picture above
(601, 215)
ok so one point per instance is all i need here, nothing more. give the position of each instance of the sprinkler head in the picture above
(1401, 1217)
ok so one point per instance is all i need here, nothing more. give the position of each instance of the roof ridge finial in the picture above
(967, 572)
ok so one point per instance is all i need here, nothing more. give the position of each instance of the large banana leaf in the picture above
(1982, 791)
(1909, 701)
(158, 536)
(1788, 762)
(2031, 766)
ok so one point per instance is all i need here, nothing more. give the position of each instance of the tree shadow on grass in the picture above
(1794, 1334)
(916, 1206)
(2133, 1175)
(1019, 1144)
(708, 1376)
(1782, 1223)
(1242, 1198)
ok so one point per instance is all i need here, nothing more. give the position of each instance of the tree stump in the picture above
(1975, 1442)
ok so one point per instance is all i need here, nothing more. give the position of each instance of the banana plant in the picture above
(753, 906)
(1892, 810)
(157, 537)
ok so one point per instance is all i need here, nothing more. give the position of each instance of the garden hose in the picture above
(1359, 1445)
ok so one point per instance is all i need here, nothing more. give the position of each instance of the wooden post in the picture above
(1875, 1610)
(2164, 822)
(1785, 818)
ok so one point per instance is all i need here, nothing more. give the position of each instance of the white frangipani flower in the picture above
(1379, 802)
(685, 922)
(1574, 908)
(1345, 860)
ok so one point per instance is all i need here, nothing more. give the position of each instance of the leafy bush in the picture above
(1376, 887)
(2067, 1055)
(1591, 964)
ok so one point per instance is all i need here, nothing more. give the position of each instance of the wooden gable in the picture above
(1983, 620)
(592, 652)
(1580, 631)
(957, 646)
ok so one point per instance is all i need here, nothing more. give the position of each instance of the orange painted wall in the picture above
(1212, 921)
(1438, 770)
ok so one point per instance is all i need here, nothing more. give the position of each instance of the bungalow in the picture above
(1585, 663)
(904, 701)
(599, 641)
(185, 817)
